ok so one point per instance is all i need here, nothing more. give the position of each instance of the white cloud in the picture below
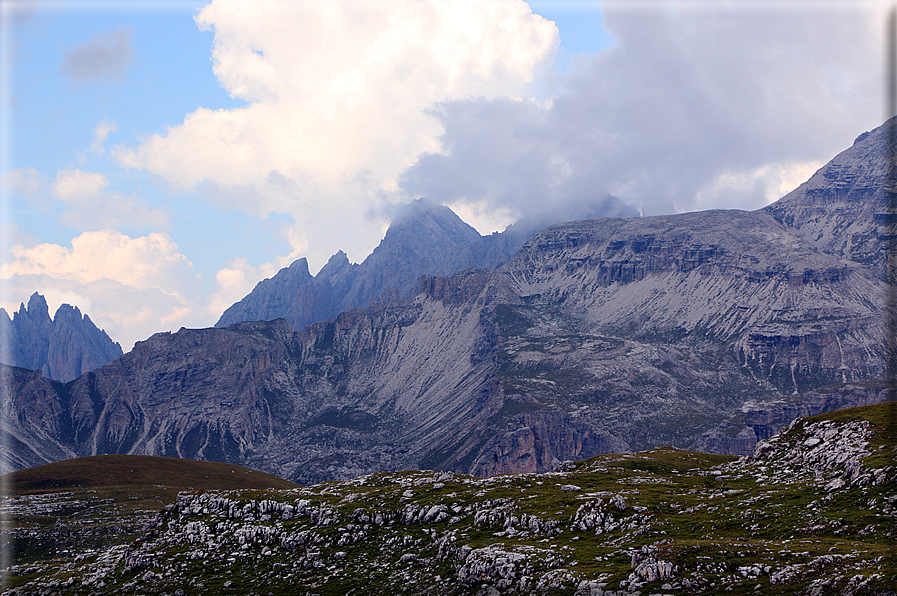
(754, 188)
(105, 56)
(696, 105)
(76, 186)
(234, 282)
(134, 286)
(337, 93)
(88, 204)
(100, 132)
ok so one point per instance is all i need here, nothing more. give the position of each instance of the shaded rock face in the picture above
(741, 434)
(272, 298)
(33, 419)
(601, 335)
(62, 348)
(424, 239)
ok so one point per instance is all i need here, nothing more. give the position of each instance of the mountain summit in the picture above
(425, 238)
(707, 331)
(62, 348)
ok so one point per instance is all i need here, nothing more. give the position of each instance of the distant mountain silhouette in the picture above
(62, 348)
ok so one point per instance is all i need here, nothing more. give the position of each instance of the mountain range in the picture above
(62, 348)
(425, 238)
(707, 330)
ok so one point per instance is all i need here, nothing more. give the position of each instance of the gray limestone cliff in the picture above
(424, 239)
(833, 209)
(62, 348)
(599, 335)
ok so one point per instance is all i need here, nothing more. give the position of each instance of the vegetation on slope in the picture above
(805, 514)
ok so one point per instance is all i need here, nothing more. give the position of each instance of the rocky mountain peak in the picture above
(834, 207)
(425, 216)
(425, 238)
(423, 234)
(62, 348)
(271, 297)
(37, 308)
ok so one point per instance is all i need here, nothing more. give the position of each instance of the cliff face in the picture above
(62, 348)
(834, 207)
(601, 335)
(424, 239)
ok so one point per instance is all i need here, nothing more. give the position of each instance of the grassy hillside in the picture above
(80, 505)
(138, 470)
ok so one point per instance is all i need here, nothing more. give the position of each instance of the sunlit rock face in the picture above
(62, 348)
(706, 330)
(837, 207)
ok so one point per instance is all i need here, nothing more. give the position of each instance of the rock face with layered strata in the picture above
(600, 335)
(833, 210)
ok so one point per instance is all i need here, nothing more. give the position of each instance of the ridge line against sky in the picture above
(160, 158)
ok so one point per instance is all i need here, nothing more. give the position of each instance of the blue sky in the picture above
(160, 158)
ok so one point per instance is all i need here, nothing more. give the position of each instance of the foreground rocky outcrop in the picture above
(62, 348)
(812, 511)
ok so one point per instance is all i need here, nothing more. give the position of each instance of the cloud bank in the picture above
(351, 108)
(693, 109)
(87, 203)
(337, 96)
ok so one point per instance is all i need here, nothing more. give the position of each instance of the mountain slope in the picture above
(592, 339)
(62, 348)
(104, 471)
(698, 330)
(834, 207)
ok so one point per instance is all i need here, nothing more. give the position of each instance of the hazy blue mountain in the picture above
(62, 348)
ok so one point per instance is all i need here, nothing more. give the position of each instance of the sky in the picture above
(159, 158)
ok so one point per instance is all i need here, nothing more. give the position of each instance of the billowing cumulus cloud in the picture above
(234, 282)
(693, 108)
(132, 287)
(337, 94)
(102, 57)
(88, 203)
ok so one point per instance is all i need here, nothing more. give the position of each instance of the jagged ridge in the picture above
(62, 348)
